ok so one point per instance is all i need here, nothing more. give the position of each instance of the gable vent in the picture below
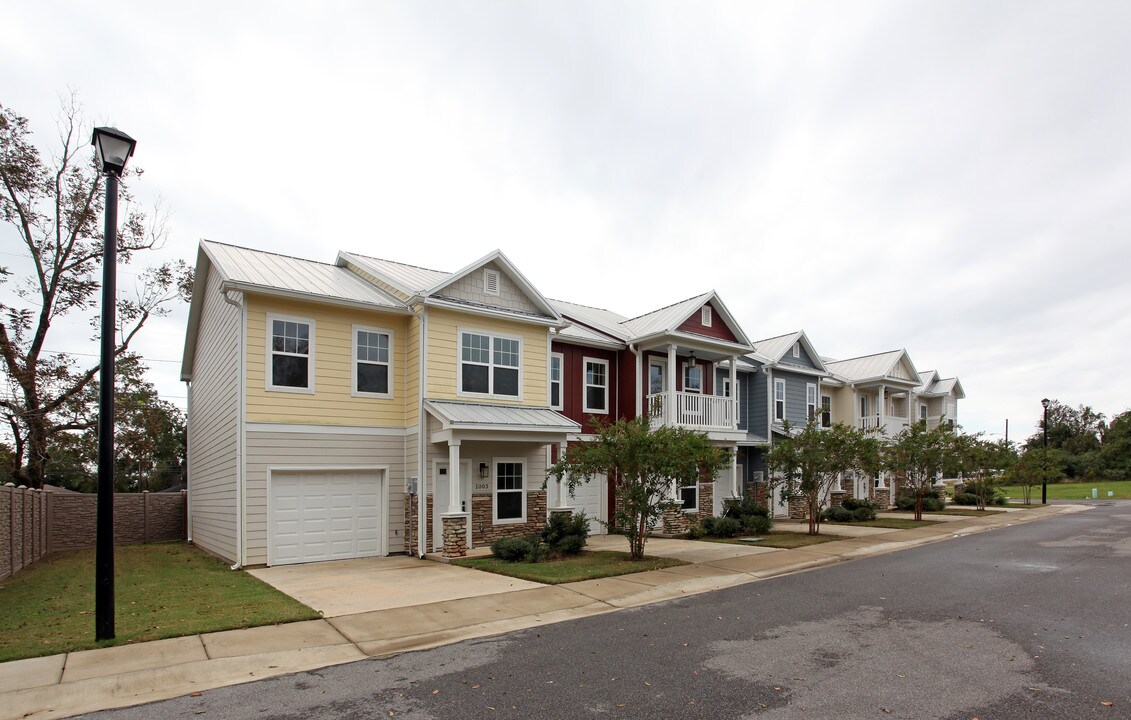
(705, 316)
(491, 282)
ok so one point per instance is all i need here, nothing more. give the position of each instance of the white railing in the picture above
(705, 412)
(891, 425)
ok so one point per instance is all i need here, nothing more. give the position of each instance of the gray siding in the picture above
(314, 450)
(470, 288)
(213, 424)
(804, 361)
(795, 401)
(753, 407)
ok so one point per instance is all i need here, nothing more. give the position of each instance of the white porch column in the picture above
(734, 395)
(454, 495)
(880, 405)
(734, 469)
(671, 414)
(561, 499)
(911, 402)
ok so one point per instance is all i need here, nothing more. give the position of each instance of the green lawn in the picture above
(586, 566)
(784, 539)
(161, 591)
(967, 511)
(1121, 490)
(893, 523)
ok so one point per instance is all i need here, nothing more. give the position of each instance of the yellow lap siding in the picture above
(443, 355)
(331, 403)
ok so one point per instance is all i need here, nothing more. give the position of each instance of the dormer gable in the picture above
(792, 349)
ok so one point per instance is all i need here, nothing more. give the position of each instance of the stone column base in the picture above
(836, 498)
(455, 534)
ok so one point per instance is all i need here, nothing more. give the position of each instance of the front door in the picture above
(440, 499)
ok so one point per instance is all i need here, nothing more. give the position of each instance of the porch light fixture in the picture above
(484, 471)
(114, 150)
(1044, 468)
(691, 362)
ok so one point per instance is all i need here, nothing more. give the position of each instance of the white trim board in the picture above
(329, 429)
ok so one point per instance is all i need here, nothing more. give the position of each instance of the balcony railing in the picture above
(692, 410)
(891, 425)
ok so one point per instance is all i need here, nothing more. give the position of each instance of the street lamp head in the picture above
(114, 149)
(1045, 403)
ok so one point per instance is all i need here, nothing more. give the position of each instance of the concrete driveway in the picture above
(348, 587)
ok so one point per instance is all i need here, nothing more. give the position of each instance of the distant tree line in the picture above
(1082, 444)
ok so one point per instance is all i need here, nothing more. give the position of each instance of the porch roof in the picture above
(455, 415)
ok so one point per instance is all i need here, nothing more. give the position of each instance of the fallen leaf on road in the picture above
(1106, 703)
(474, 687)
(196, 695)
(435, 692)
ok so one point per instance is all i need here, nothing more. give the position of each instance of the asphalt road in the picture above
(1029, 621)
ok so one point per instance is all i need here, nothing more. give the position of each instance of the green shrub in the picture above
(757, 524)
(836, 513)
(695, 531)
(863, 514)
(708, 525)
(854, 503)
(511, 549)
(726, 527)
(965, 498)
(932, 501)
(566, 534)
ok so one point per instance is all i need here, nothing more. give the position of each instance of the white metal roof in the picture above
(251, 269)
(775, 347)
(872, 367)
(582, 334)
(459, 415)
(409, 279)
(606, 321)
(666, 318)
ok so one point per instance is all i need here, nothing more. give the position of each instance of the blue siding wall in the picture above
(804, 361)
(795, 407)
(752, 403)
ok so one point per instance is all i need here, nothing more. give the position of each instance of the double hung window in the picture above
(290, 354)
(489, 364)
(372, 352)
(596, 386)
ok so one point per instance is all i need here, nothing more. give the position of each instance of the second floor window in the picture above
(372, 361)
(596, 386)
(489, 364)
(693, 378)
(826, 411)
(291, 354)
(556, 381)
(779, 399)
(810, 401)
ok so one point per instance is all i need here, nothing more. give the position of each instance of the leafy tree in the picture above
(921, 454)
(1036, 465)
(56, 209)
(809, 462)
(981, 461)
(1077, 432)
(642, 463)
(1115, 454)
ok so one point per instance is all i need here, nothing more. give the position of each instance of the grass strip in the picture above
(162, 590)
(589, 565)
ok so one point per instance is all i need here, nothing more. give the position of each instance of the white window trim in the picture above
(922, 411)
(724, 388)
(811, 407)
(830, 399)
(705, 316)
(354, 361)
(585, 386)
(679, 497)
(702, 375)
(488, 273)
(561, 381)
(267, 366)
(797, 349)
(779, 383)
(495, 491)
(491, 363)
(663, 365)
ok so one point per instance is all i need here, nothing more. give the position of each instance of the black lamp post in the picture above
(114, 150)
(1045, 464)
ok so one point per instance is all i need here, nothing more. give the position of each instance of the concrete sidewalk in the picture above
(69, 684)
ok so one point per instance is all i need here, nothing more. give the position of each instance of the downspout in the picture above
(188, 460)
(422, 477)
(241, 435)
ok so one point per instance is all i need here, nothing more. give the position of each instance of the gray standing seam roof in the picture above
(504, 416)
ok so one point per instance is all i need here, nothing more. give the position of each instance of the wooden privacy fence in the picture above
(34, 523)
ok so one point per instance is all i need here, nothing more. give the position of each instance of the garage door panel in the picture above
(325, 516)
(586, 498)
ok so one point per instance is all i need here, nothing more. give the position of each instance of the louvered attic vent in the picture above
(491, 282)
(705, 316)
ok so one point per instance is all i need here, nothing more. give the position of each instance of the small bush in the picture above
(564, 532)
(965, 499)
(836, 513)
(695, 531)
(854, 503)
(511, 549)
(932, 501)
(757, 524)
(863, 514)
(726, 527)
(708, 525)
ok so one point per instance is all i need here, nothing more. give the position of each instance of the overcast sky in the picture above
(948, 177)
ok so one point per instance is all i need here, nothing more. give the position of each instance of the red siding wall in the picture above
(718, 328)
(573, 381)
(708, 372)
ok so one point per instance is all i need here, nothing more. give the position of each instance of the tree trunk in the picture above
(919, 504)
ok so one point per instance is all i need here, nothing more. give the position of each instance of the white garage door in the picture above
(325, 516)
(592, 498)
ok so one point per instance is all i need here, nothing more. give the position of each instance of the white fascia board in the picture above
(488, 312)
(799, 370)
(600, 344)
(196, 305)
(708, 343)
(515, 274)
(312, 297)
